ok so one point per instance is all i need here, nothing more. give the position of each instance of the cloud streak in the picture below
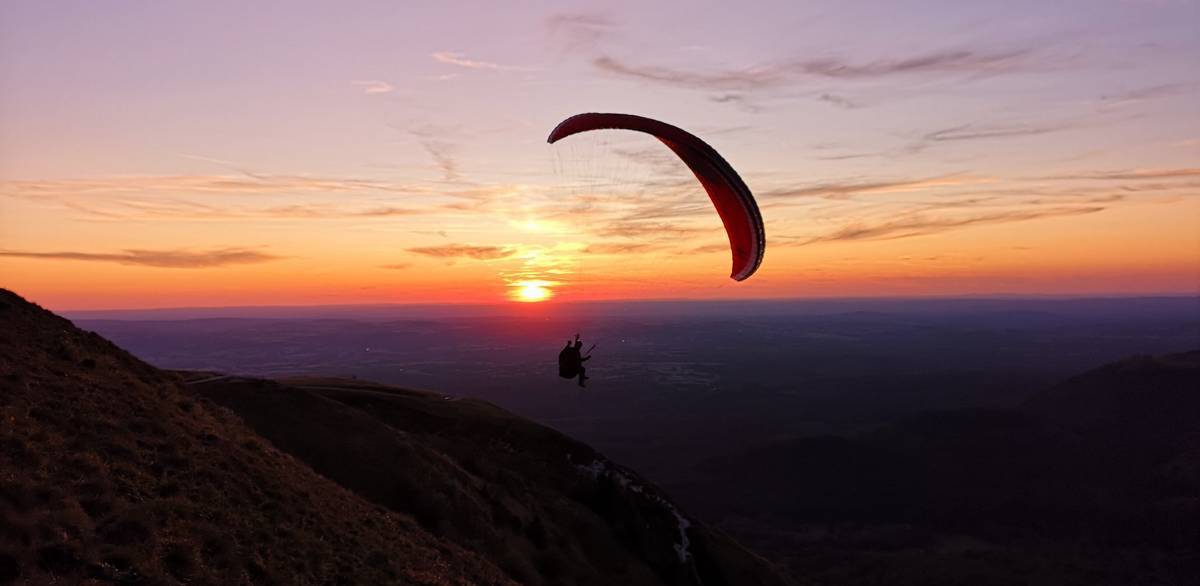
(374, 86)
(918, 225)
(465, 251)
(972, 132)
(847, 189)
(738, 100)
(246, 184)
(139, 209)
(461, 60)
(441, 151)
(1136, 174)
(779, 74)
(581, 30)
(619, 248)
(171, 259)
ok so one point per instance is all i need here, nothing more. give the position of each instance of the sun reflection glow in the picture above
(531, 291)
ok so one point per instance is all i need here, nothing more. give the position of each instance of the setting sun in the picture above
(532, 291)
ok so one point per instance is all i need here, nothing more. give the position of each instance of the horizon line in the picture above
(552, 304)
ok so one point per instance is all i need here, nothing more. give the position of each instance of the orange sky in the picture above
(384, 158)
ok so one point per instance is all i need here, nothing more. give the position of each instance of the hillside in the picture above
(545, 508)
(1093, 481)
(112, 470)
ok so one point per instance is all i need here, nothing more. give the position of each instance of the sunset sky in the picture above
(165, 154)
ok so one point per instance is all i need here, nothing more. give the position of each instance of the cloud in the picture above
(959, 61)
(443, 157)
(173, 259)
(618, 248)
(839, 101)
(460, 60)
(1111, 102)
(745, 79)
(1136, 174)
(848, 189)
(245, 184)
(736, 99)
(441, 150)
(917, 225)
(709, 248)
(972, 132)
(581, 30)
(178, 209)
(778, 74)
(656, 230)
(465, 251)
(962, 132)
(374, 86)
(327, 212)
(397, 266)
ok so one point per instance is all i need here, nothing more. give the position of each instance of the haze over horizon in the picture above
(219, 154)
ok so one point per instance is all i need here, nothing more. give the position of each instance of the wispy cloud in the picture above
(777, 74)
(218, 197)
(374, 86)
(1109, 102)
(839, 101)
(848, 189)
(461, 60)
(741, 79)
(650, 230)
(955, 134)
(443, 155)
(172, 259)
(1135, 174)
(316, 212)
(956, 61)
(441, 150)
(245, 184)
(465, 251)
(397, 266)
(148, 209)
(708, 249)
(736, 99)
(581, 30)
(973, 132)
(920, 225)
(619, 248)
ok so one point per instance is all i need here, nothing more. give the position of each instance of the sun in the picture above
(532, 291)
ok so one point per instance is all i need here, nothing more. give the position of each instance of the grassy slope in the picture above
(111, 470)
(514, 491)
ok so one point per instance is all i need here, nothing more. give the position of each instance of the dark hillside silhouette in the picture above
(547, 509)
(115, 471)
(110, 470)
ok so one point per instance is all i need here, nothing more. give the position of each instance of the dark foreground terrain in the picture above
(1095, 481)
(947, 443)
(113, 471)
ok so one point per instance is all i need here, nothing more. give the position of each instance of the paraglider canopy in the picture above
(729, 194)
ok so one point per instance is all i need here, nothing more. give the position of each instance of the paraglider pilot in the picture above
(570, 361)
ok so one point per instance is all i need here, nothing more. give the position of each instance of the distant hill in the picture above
(1141, 394)
(1093, 481)
(114, 471)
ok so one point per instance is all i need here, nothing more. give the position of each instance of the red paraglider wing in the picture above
(729, 194)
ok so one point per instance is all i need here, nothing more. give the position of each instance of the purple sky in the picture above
(210, 126)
